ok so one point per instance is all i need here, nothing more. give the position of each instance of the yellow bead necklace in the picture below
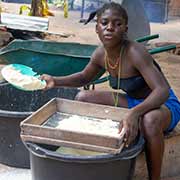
(118, 62)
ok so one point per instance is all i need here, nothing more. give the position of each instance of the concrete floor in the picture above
(11, 173)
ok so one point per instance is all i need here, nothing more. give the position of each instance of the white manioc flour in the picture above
(89, 125)
(23, 81)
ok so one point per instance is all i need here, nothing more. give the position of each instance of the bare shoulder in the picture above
(135, 48)
(98, 56)
(137, 53)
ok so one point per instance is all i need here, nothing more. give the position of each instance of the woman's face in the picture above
(111, 28)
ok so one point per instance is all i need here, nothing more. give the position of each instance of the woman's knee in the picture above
(82, 96)
(151, 124)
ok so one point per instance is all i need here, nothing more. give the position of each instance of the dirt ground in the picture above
(77, 32)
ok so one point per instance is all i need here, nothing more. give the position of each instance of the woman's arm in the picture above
(142, 61)
(155, 79)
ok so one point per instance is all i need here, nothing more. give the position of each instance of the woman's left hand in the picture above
(131, 125)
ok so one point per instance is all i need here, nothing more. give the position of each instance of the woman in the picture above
(154, 109)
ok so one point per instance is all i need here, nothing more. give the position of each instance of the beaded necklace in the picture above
(109, 64)
(118, 62)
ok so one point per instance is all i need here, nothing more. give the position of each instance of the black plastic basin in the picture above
(47, 164)
(15, 106)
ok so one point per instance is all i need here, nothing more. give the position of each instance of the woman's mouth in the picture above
(108, 36)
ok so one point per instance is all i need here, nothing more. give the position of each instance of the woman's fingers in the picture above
(49, 81)
(120, 127)
(43, 77)
(126, 136)
(130, 125)
(132, 135)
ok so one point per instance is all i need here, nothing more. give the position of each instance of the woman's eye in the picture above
(118, 23)
(104, 23)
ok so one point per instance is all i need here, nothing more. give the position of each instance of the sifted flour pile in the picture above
(89, 125)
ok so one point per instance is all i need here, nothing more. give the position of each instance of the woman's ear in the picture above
(126, 28)
(97, 29)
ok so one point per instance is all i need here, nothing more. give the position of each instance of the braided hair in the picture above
(112, 6)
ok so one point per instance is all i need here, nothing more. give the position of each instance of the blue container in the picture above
(156, 10)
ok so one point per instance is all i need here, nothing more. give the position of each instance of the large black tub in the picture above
(15, 106)
(48, 164)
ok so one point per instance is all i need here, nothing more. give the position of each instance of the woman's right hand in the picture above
(130, 123)
(50, 82)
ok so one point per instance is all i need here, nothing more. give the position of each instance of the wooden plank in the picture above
(79, 137)
(33, 125)
(48, 141)
(91, 110)
(42, 114)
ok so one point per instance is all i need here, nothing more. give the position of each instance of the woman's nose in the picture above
(110, 26)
